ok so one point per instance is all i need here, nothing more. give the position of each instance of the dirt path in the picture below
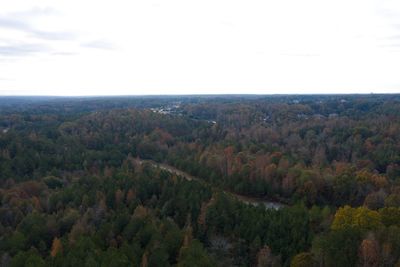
(244, 199)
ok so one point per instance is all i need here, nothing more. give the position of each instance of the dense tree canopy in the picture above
(188, 181)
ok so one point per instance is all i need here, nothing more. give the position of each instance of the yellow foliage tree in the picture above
(361, 217)
(304, 259)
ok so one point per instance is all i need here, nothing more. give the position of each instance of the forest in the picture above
(82, 182)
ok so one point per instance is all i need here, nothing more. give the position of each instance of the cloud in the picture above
(42, 42)
(392, 37)
(99, 44)
(391, 41)
(35, 12)
(391, 45)
(388, 13)
(19, 23)
(64, 54)
(13, 24)
(46, 35)
(300, 54)
(22, 49)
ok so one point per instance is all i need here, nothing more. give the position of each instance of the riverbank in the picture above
(245, 199)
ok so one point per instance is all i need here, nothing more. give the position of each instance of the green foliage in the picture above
(17, 242)
(194, 256)
(52, 182)
(390, 216)
(27, 259)
(338, 247)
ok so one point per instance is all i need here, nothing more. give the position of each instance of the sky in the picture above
(132, 47)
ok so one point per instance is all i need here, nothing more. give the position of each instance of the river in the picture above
(245, 199)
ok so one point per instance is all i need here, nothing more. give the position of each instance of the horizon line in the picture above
(208, 94)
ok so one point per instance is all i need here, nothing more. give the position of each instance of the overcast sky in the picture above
(119, 47)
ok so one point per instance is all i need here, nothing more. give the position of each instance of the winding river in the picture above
(245, 199)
